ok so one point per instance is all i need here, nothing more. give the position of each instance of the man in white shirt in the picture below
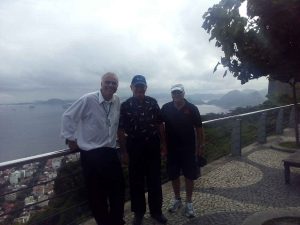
(90, 125)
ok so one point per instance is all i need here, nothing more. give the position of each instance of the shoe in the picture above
(189, 211)
(160, 218)
(175, 205)
(138, 219)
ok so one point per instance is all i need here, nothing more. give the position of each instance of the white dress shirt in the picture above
(92, 121)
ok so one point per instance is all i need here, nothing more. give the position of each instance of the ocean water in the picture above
(205, 109)
(27, 130)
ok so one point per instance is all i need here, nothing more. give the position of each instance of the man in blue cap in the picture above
(140, 128)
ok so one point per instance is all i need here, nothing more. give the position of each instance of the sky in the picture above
(61, 48)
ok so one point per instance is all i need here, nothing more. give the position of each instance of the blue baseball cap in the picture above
(138, 79)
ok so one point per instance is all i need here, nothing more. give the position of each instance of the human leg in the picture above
(175, 203)
(96, 188)
(176, 188)
(173, 166)
(116, 192)
(189, 187)
(154, 185)
(136, 178)
(153, 178)
(189, 169)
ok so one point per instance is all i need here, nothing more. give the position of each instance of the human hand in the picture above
(72, 145)
(200, 150)
(163, 151)
(124, 158)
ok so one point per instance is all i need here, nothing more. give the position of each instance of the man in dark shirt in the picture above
(139, 134)
(184, 137)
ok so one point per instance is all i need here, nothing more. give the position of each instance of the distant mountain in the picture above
(197, 99)
(232, 99)
(237, 98)
(262, 92)
(194, 99)
(205, 97)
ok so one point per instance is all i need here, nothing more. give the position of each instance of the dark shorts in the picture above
(182, 160)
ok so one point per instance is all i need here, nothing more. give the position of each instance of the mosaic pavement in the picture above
(234, 188)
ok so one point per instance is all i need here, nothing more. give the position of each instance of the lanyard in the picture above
(105, 109)
(107, 113)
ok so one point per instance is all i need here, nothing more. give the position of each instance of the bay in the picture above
(27, 130)
(205, 109)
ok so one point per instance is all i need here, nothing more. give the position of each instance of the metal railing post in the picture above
(261, 132)
(279, 122)
(292, 118)
(236, 138)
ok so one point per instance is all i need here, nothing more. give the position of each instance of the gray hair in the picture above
(108, 74)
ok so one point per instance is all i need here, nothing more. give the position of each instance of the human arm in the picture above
(198, 126)
(162, 131)
(70, 120)
(163, 143)
(199, 141)
(122, 137)
(122, 142)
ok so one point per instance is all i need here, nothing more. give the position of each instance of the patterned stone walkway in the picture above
(233, 188)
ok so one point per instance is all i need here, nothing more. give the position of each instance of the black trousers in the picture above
(144, 168)
(105, 185)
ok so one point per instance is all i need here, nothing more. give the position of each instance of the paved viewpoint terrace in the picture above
(239, 190)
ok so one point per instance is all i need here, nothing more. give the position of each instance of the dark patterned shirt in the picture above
(140, 120)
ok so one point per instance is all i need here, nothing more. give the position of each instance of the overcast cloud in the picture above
(60, 49)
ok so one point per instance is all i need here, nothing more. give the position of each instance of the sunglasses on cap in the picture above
(176, 92)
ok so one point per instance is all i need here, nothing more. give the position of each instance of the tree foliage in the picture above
(264, 44)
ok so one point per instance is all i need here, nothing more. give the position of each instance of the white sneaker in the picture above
(175, 205)
(189, 210)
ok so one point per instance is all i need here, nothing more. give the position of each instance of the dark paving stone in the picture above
(233, 218)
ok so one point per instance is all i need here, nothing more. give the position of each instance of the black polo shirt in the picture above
(140, 120)
(180, 124)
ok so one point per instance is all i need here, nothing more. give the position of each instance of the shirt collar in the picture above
(137, 101)
(101, 99)
(184, 105)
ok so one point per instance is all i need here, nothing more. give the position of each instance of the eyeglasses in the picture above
(108, 82)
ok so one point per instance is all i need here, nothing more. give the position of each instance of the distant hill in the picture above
(262, 92)
(195, 99)
(237, 98)
(205, 97)
(231, 99)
